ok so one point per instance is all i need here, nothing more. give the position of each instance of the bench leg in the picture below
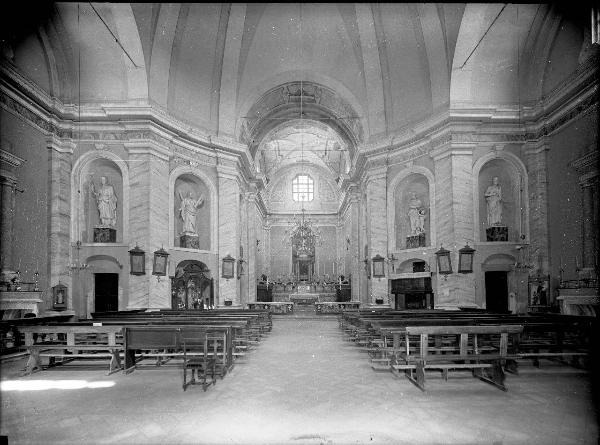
(419, 375)
(115, 362)
(33, 363)
(445, 374)
(493, 375)
(511, 366)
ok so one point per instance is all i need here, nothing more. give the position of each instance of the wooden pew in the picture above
(485, 364)
(163, 341)
(71, 342)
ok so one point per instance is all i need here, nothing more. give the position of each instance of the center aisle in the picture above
(302, 385)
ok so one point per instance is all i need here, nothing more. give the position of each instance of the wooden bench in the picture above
(485, 364)
(72, 342)
(164, 342)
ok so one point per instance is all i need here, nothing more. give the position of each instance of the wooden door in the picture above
(106, 292)
(496, 291)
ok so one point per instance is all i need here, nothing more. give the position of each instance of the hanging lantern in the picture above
(465, 259)
(378, 266)
(137, 261)
(227, 268)
(444, 261)
(159, 265)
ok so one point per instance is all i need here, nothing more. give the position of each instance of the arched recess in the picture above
(81, 198)
(183, 170)
(391, 205)
(407, 265)
(508, 168)
(282, 102)
(104, 264)
(192, 286)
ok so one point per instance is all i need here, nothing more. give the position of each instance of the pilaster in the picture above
(537, 161)
(377, 232)
(229, 229)
(453, 164)
(59, 217)
(251, 271)
(149, 220)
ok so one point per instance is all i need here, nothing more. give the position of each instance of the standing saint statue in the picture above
(107, 203)
(493, 198)
(188, 211)
(416, 215)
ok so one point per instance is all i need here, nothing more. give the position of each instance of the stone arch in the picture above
(79, 186)
(391, 205)
(519, 191)
(498, 261)
(102, 263)
(213, 204)
(292, 76)
(406, 265)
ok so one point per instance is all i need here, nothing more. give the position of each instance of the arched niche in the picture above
(512, 178)
(407, 266)
(192, 286)
(88, 170)
(420, 181)
(186, 179)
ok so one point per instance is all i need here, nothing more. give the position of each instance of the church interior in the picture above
(349, 223)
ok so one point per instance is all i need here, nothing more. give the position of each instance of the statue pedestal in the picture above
(415, 241)
(497, 233)
(189, 240)
(105, 235)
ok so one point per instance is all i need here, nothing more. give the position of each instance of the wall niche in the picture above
(191, 212)
(102, 201)
(412, 220)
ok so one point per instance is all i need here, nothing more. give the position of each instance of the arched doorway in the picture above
(192, 287)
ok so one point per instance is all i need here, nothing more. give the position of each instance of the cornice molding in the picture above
(10, 159)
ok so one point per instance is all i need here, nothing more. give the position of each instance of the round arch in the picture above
(523, 203)
(186, 169)
(78, 200)
(270, 83)
(391, 204)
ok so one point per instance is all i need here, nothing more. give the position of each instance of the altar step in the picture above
(303, 311)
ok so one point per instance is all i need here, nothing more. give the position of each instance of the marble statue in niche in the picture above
(416, 217)
(493, 198)
(188, 209)
(106, 202)
(496, 231)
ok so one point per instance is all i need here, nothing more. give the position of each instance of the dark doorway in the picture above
(496, 291)
(106, 292)
(413, 293)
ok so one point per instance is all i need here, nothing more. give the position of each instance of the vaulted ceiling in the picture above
(384, 67)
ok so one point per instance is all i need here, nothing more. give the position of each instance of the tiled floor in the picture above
(303, 385)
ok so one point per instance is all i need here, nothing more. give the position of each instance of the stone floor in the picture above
(304, 384)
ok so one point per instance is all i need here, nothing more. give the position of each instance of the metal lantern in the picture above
(137, 261)
(159, 265)
(465, 259)
(378, 266)
(227, 269)
(444, 261)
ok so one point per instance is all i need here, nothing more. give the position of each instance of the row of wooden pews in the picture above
(208, 343)
(413, 341)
